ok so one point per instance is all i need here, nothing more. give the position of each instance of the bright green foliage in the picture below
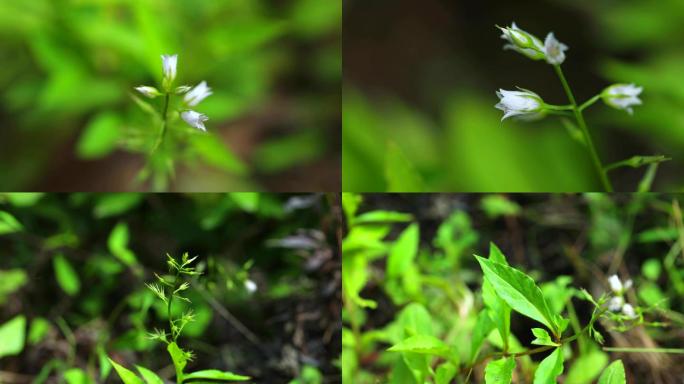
(149, 376)
(542, 337)
(550, 368)
(423, 344)
(100, 136)
(66, 275)
(498, 205)
(12, 334)
(613, 374)
(483, 326)
(401, 175)
(128, 377)
(500, 371)
(214, 374)
(308, 375)
(38, 330)
(118, 245)
(519, 291)
(180, 359)
(587, 367)
(403, 252)
(445, 373)
(77, 376)
(499, 311)
(8, 224)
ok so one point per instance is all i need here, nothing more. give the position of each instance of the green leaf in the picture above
(422, 344)
(10, 281)
(77, 376)
(542, 337)
(519, 291)
(8, 224)
(587, 367)
(550, 368)
(247, 201)
(24, 199)
(403, 251)
(651, 269)
(12, 335)
(118, 245)
(180, 359)
(215, 153)
(400, 173)
(378, 217)
(495, 254)
(114, 204)
(499, 205)
(100, 136)
(614, 374)
(128, 377)
(66, 275)
(500, 371)
(149, 376)
(483, 326)
(38, 330)
(214, 374)
(445, 373)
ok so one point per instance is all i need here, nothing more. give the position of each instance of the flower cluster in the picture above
(192, 96)
(617, 303)
(527, 105)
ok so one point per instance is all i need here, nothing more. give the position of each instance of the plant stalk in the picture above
(607, 186)
(162, 134)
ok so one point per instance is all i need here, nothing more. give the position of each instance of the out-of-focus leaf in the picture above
(403, 251)
(214, 374)
(10, 281)
(550, 368)
(247, 201)
(118, 245)
(215, 153)
(289, 151)
(614, 374)
(127, 376)
(498, 205)
(149, 376)
(24, 199)
(77, 376)
(114, 204)
(422, 344)
(8, 224)
(100, 136)
(12, 334)
(500, 371)
(314, 17)
(38, 330)
(401, 175)
(587, 367)
(66, 275)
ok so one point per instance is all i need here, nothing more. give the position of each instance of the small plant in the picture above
(167, 289)
(526, 105)
(160, 165)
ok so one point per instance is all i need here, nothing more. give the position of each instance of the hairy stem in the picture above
(607, 186)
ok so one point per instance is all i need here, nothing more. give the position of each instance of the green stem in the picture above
(585, 131)
(589, 102)
(168, 309)
(162, 134)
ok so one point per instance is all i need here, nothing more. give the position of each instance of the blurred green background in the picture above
(69, 66)
(419, 94)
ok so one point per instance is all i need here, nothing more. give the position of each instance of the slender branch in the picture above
(162, 134)
(583, 126)
(589, 102)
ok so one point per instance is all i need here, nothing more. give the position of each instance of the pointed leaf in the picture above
(214, 374)
(400, 173)
(519, 291)
(149, 376)
(542, 337)
(77, 376)
(550, 368)
(445, 373)
(179, 357)
(128, 377)
(403, 251)
(483, 326)
(8, 224)
(614, 374)
(500, 371)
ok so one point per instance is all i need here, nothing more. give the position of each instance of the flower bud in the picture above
(522, 42)
(628, 310)
(182, 89)
(615, 284)
(622, 96)
(169, 63)
(615, 304)
(524, 104)
(150, 92)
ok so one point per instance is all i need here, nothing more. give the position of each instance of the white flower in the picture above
(522, 42)
(554, 50)
(150, 92)
(622, 96)
(199, 93)
(616, 303)
(169, 68)
(524, 104)
(250, 286)
(628, 310)
(195, 119)
(615, 284)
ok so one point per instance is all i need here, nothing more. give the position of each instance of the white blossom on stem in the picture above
(197, 94)
(148, 91)
(622, 96)
(522, 42)
(169, 63)
(523, 104)
(195, 119)
(554, 50)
